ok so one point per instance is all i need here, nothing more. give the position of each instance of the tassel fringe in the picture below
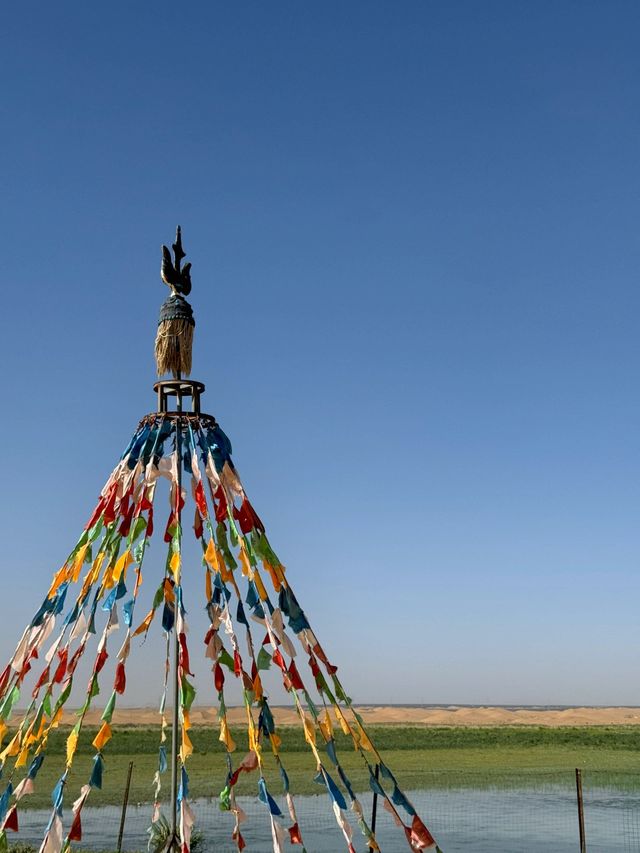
(174, 342)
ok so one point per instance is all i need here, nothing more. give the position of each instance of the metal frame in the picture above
(181, 389)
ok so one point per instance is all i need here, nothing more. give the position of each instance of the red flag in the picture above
(62, 666)
(100, 660)
(320, 653)
(43, 678)
(294, 834)
(294, 675)
(120, 681)
(75, 657)
(201, 501)
(168, 536)
(125, 527)
(145, 503)
(220, 503)
(96, 514)
(11, 820)
(237, 662)
(4, 678)
(277, 658)
(75, 833)
(247, 517)
(420, 836)
(184, 654)
(110, 506)
(218, 677)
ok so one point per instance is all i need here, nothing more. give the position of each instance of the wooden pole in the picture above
(374, 807)
(125, 803)
(175, 734)
(583, 840)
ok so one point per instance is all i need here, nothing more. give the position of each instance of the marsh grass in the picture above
(421, 757)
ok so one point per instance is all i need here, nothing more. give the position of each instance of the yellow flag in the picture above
(326, 726)
(72, 745)
(211, 555)
(97, 565)
(122, 565)
(174, 565)
(12, 748)
(253, 740)
(225, 735)
(4, 728)
(77, 563)
(262, 592)
(87, 582)
(93, 574)
(277, 574)
(41, 730)
(309, 731)
(107, 580)
(186, 748)
(21, 761)
(34, 737)
(257, 687)
(15, 745)
(208, 587)
(344, 725)
(276, 743)
(144, 625)
(244, 559)
(103, 736)
(55, 722)
(60, 576)
(364, 740)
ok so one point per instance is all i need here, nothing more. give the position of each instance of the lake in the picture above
(490, 820)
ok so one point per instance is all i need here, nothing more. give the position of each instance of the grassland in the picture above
(421, 757)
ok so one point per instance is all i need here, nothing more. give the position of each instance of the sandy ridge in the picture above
(388, 714)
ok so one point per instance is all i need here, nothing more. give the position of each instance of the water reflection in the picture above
(488, 820)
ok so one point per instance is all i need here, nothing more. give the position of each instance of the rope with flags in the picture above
(248, 592)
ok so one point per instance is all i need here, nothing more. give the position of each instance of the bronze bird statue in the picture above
(179, 280)
(174, 340)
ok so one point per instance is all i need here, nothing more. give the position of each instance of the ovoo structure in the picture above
(256, 624)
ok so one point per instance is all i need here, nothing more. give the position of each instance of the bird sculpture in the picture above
(178, 280)
(174, 340)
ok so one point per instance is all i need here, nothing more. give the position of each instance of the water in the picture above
(491, 820)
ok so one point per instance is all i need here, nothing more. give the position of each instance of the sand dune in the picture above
(390, 714)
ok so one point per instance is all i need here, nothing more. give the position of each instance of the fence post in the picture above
(374, 807)
(125, 802)
(583, 840)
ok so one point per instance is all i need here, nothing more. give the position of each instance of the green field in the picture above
(420, 757)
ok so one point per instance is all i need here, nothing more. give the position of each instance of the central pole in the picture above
(174, 341)
(176, 645)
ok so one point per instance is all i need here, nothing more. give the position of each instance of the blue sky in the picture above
(414, 236)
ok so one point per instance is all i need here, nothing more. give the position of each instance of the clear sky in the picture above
(414, 235)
